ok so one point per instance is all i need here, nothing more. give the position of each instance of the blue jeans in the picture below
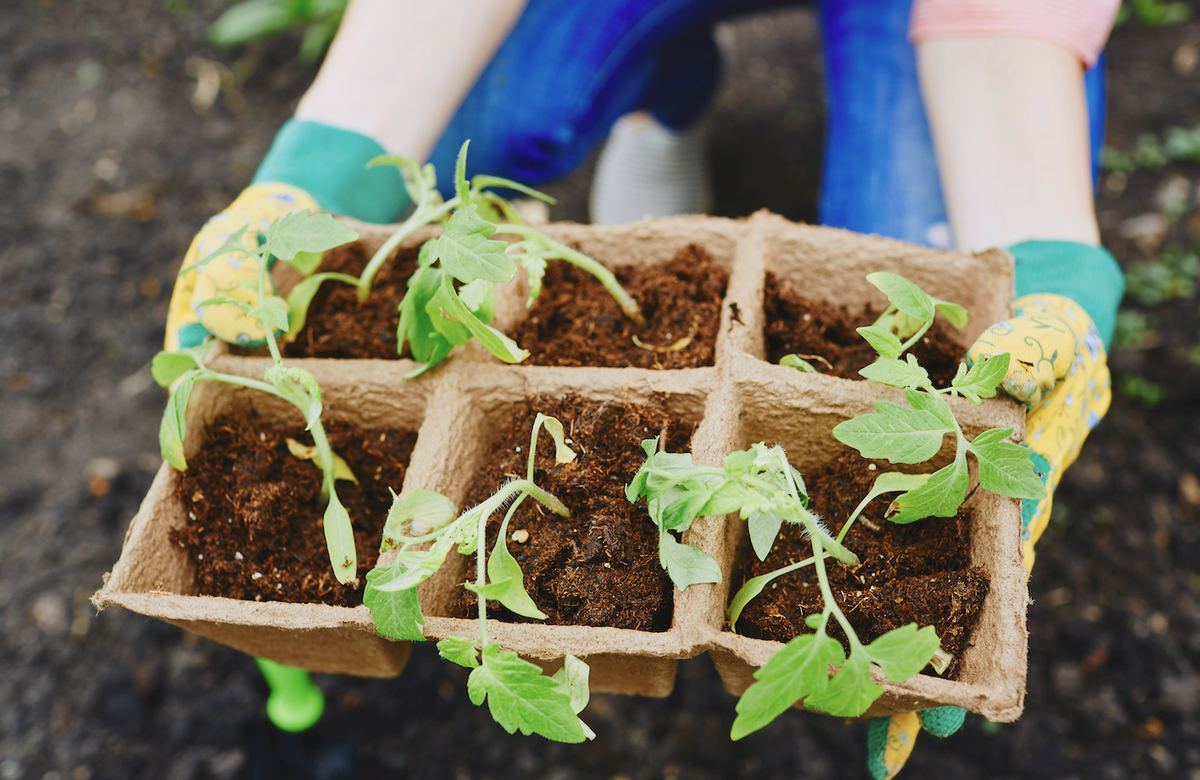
(571, 68)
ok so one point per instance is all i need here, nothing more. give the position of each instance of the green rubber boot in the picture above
(295, 704)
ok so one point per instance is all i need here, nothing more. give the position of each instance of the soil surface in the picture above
(339, 326)
(111, 159)
(254, 508)
(827, 337)
(575, 322)
(916, 573)
(600, 567)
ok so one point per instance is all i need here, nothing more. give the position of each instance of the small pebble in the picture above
(238, 556)
(520, 536)
(256, 575)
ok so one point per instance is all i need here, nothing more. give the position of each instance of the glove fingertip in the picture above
(942, 721)
(191, 335)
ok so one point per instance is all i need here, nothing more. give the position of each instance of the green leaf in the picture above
(799, 669)
(169, 366)
(793, 361)
(466, 252)
(754, 586)
(1004, 467)
(397, 613)
(572, 680)
(249, 21)
(507, 583)
(412, 567)
(445, 304)
(174, 422)
(231, 244)
(897, 433)
(217, 300)
(303, 232)
(940, 496)
(301, 296)
(982, 378)
(416, 323)
(416, 514)
(521, 698)
(562, 453)
(763, 527)
(882, 340)
(956, 315)
(897, 373)
(484, 181)
(460, 650)
(850, 693)
(306, 262)
(904, 651)
(685, 564)
(904, 295)
(273, 311)
(460, 177)
(480, 297)
(895, 482)
(300, 388)
(339, 537)
(534, 264)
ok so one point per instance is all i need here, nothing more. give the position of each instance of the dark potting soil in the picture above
(338, 326)
(575, 322)
(825, 336)
(600, 567)
(916, 573)
(254, 508)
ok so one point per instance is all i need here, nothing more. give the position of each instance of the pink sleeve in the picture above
(1080, 25)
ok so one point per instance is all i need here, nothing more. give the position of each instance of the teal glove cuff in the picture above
(331, 165)
(1086, 274)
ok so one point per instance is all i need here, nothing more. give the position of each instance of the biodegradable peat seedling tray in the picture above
(739, 400)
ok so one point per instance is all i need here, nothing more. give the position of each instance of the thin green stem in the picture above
(916, 337)
(421, 217)
(268, 331)
(854, 516)
(481, 578)
(628, 305)
(831, 606)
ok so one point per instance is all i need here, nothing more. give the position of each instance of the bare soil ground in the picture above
(112, 154)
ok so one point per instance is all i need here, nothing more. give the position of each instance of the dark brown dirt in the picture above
(338, 326)
(575, 322)
(600, 567)
(916, 573)
(257, 509)
(825, 336)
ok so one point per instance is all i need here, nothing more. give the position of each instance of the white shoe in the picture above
(648, 170)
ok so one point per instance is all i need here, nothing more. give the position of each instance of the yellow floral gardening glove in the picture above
(1064, 315)
(1058, 368)
(188, 324)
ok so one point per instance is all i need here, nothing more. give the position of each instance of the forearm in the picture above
(1010, 128)
(398, 69)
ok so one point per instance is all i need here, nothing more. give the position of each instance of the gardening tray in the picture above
(459, 408)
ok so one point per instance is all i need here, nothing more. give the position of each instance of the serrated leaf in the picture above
(446, 305)
(897, 433)
(507, 583)
(341, 469)
(416, 514)
(416, 323)
(1004, 467)
(231, 244)
(300, 388)
(904, 651)
(480, 297)
(982, 378)
(882, 340)
(173, 428)
(940, 496)
(562, 453)
(763, 527)
(955, 314)
(521, 698)
(897, 373)
(850, 693)
(799, 669)
(802, 365)
(273, 311)
(685, 564)
(466, 252)
(397, 613)
(301, 231)
(339, 538)
(460, 650)
(904, 295)
(535, 271)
